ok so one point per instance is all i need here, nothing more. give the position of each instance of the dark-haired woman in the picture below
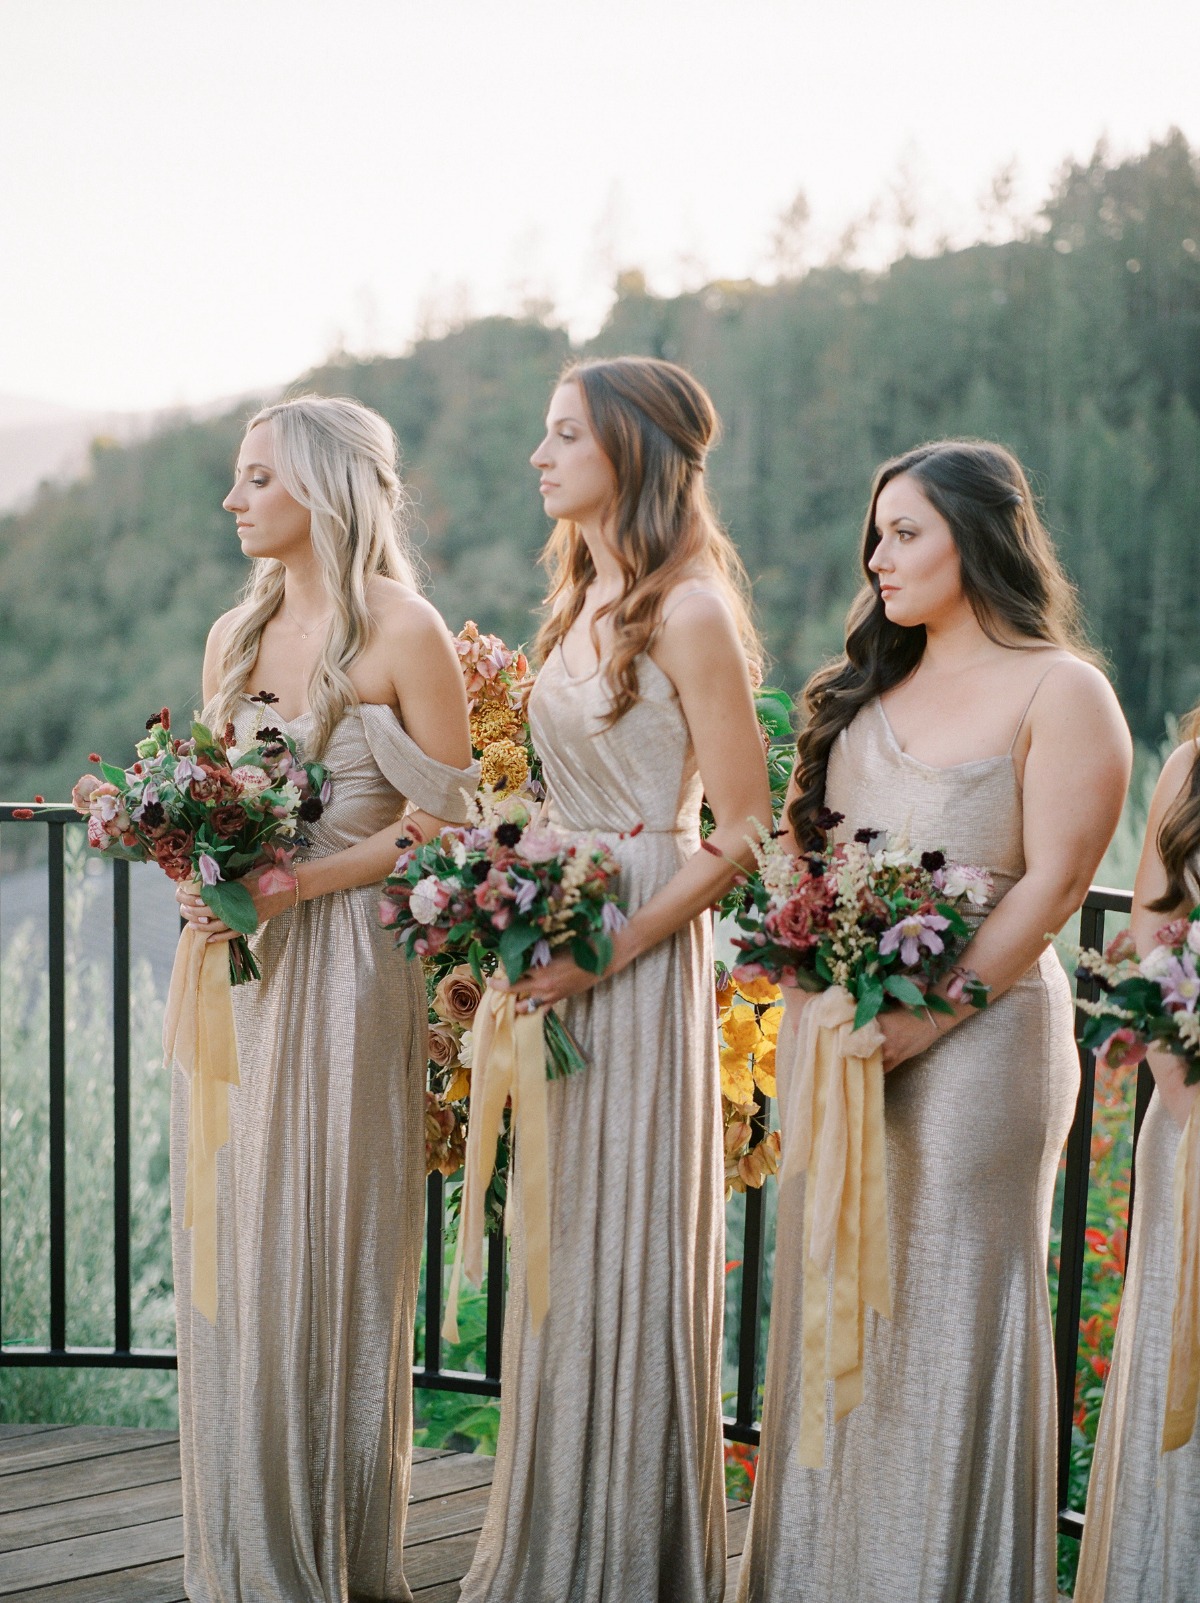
(609, 1482)
(965, 717)
(1141, 1538)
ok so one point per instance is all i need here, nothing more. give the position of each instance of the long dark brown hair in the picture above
(1179, 834)
(655, 423)
(1011, 575)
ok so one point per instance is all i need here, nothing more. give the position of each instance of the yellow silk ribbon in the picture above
(831, 1108)
(1183, 1376)
(509, 1059)
(198, 1034)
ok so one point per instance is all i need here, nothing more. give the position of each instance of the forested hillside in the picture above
(1079, 346)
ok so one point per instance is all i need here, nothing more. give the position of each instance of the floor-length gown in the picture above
(295, 1409)
(609, 1481)
(1141, 1536)
(940, 1486)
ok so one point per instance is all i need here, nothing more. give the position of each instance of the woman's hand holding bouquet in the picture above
(211, 815)
(884, 923)
(506, 895)
(1148, 1002)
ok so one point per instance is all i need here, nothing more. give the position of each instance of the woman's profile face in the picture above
(577, 479)
(916, 560)
(270, 523)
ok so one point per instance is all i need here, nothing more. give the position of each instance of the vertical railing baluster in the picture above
(434, 1265)
(56, 949)
(122, 1268)
(752, 1273)
(495, 1302)
(1074, 1219)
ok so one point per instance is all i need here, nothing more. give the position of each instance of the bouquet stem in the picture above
(564, 1055)
(242, 967)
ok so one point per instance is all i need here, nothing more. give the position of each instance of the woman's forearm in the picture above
(365, 863)
(701, 881)
(1015, 934)
(1168, 1072)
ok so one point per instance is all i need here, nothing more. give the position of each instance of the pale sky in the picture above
(203, 197)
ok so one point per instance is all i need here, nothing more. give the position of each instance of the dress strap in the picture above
(1029, 704)
(699, 589)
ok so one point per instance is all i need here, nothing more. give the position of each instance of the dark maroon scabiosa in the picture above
(508, 834)
(932, 861)
(311, 809)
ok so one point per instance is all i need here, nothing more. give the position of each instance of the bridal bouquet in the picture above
(1147, 1002)
(504, 892)
(885, 923)
(207, 811)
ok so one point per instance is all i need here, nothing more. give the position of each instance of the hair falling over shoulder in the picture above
(655, 423)
(1178, 841)
(338, 459)
(1011, 576)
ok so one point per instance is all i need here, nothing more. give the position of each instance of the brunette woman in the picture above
(295, 1408)
(609, 1479)
(1141, 1537)
(966, 717)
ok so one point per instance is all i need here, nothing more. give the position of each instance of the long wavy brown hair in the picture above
(1011, 575)
(655, 424)
(1179, 834)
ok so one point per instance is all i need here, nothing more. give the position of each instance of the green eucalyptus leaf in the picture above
(905, 992)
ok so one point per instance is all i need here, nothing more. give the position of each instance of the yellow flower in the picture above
(770, 1021)
(492, 721)
(504, 766)
(737, 1083)
(764, 1070)
(725, 996)
(762, 990)
(740, 1029)
(459, 1086)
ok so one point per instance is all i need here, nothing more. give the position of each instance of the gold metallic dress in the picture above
(940, 1486)
(609, 1482)
(295, 1409)
(1141, 1537)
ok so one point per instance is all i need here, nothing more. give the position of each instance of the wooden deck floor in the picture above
(92, 1515)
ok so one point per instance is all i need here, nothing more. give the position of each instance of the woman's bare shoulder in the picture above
(402, 616)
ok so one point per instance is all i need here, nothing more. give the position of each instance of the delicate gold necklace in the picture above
(296, 624)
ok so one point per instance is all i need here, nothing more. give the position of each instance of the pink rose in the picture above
(82, 792)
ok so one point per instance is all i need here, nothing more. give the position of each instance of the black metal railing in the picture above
(428, 1371)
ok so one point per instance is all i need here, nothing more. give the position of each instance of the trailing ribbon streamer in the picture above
(198, 1034)
(1183, 1376)
(509, 1059)
(831, 1111)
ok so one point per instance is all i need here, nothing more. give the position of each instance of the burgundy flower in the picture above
(932, 861)
(310, 809)
(228, 820)
(173, 852)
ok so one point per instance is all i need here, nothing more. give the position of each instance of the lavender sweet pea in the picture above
(911, 933)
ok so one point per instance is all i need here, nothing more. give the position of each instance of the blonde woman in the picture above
(609, 1481)
(295, 1407)
(1141, 1537)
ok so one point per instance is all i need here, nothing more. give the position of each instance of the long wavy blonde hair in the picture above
(655, 424)
(338, 459)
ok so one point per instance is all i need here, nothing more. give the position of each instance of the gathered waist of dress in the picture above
(630, 832)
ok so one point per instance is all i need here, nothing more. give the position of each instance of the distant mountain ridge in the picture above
(1078, 346)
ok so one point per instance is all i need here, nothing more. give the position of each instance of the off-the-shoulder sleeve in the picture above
(432, 786)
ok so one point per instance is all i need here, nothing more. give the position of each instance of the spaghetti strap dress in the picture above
(609, 1481)
(940, 1486)
(1141, 1533)
(295, 1408)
